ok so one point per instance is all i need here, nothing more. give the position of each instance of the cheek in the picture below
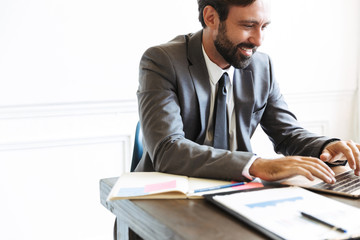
(239, 37)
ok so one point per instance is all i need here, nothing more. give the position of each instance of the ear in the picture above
(211, 17)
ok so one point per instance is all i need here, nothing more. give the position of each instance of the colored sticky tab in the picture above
(160, 186)
(248, 185)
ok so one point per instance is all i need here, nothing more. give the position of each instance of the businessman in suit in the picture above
(177, 92)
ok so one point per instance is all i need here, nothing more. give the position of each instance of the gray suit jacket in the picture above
(174, 100)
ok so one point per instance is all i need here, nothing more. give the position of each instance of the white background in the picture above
(68, 80)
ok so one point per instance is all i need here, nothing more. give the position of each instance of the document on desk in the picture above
(156, 185)
(283, 213)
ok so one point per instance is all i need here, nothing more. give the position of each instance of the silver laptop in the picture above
(347, 184)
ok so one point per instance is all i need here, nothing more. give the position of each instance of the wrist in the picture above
(256, 167)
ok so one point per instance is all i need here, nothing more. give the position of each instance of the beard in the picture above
(229, 51)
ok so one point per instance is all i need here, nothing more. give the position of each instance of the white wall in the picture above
(68, 77)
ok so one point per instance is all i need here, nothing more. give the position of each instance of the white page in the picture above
(136, 184)
(278, 210)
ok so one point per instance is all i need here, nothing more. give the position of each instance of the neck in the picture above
(210, 49)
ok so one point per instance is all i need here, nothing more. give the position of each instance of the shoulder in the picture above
(176, 46)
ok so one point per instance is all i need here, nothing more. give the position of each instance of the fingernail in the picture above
(329, 180)
(332, 179)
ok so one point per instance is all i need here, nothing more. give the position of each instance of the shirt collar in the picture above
(215, 72)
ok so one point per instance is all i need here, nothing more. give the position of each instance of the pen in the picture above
(323, 222)
(219, 187)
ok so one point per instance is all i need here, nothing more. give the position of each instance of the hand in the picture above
(341, 150)
(281, 168)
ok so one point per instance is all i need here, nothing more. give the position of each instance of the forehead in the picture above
(258, 11)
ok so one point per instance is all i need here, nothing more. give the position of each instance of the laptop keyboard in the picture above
(346, 182)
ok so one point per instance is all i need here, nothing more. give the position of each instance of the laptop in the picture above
(347, 184)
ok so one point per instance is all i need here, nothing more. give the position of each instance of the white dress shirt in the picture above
(215, 73)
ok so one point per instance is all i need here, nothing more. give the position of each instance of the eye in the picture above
(248, 25)
(265, 26)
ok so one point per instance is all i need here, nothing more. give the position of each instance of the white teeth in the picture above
(247, 49)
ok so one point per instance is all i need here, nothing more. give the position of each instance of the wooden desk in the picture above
(179, 219)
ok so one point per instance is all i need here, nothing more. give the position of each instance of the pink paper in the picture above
(160, 186)
(248, 186)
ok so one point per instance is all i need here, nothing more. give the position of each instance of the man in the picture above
(177, 96)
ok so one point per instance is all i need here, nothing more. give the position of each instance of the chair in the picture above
(137, 154)
(138, 148)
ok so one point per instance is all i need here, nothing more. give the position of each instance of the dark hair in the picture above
(221, 7)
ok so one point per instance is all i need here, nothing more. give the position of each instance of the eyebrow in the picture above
(254, 22)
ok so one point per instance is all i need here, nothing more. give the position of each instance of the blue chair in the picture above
(137, 154)
(138, 148)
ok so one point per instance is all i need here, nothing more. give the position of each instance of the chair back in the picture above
(138, 148)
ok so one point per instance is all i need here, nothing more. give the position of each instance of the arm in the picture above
(301, 148)
(161, 116)
(276, 169)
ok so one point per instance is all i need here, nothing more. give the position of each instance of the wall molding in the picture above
(68, 109)
(25, 120)
(130, 105)
(113, 111)
(319, 96)
(124, 140)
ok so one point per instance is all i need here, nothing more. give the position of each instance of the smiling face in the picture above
(236, 39)
(238, 55)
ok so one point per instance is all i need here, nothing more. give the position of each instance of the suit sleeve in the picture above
(162, 126)
(283, 129)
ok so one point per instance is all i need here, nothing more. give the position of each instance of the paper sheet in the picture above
(278, 210)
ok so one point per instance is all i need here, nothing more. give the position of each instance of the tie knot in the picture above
(223, 82)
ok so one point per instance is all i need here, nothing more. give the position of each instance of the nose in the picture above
(257, 37)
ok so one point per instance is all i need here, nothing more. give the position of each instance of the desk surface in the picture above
(181, 219)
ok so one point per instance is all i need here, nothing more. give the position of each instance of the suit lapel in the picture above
(200, 78)
(244, 99)
(243, 93)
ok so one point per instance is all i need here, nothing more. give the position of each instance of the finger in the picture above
(356, 156)
(358, 160)
(315, 162)
(306, 173)
(310, 173)
(350, 150)
(333, 151)
(325, 156)
(310, 167)
(321, 173)
(319, 169)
